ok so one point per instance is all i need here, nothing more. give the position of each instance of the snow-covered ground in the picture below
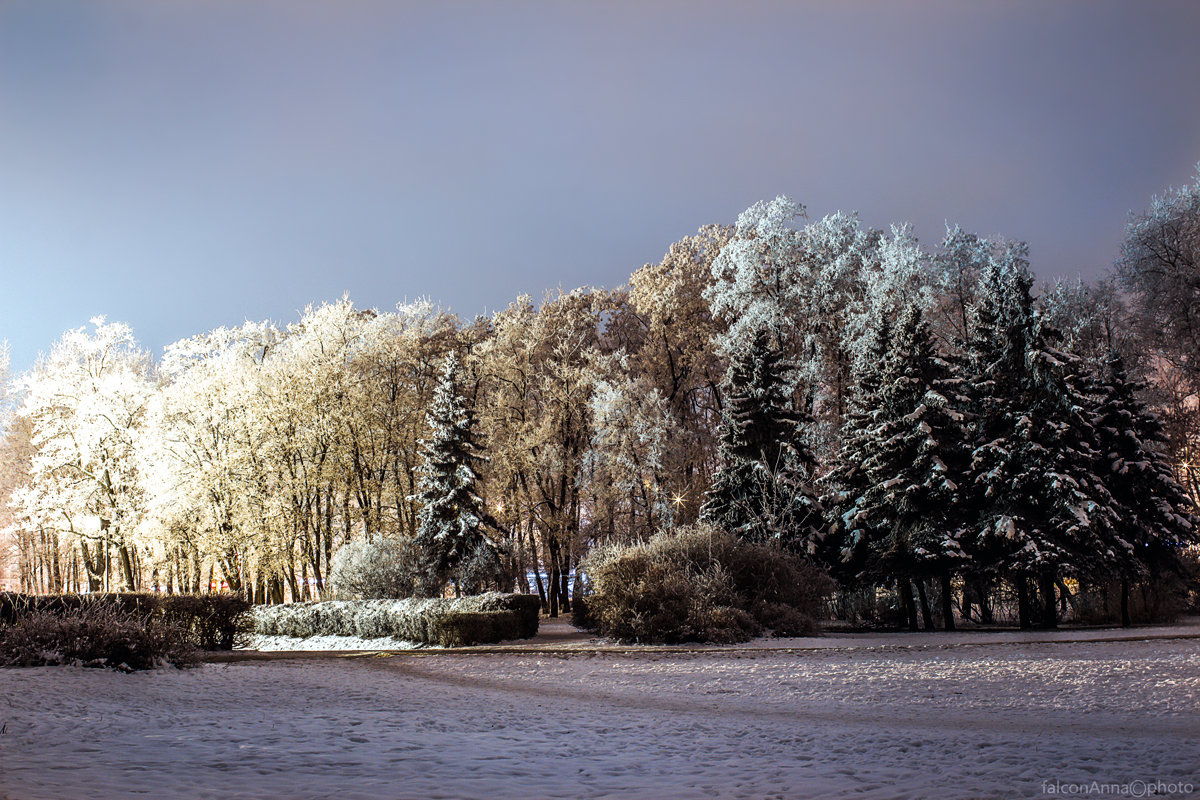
(559, 634)
(999, 720)
(266, 644)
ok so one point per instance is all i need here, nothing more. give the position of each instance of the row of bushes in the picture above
(209, 622)
(95, 635)
(477, 619)
(700, 584)
(122, 631)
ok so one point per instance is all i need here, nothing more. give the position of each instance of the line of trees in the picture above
(912, 418)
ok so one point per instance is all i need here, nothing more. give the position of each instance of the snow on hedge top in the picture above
(408, 618)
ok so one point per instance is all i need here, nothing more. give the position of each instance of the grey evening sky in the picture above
(184, 165)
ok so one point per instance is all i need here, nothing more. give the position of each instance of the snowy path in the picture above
(558, 635)
(983, 721)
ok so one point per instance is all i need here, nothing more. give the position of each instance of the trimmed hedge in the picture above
(95, 635)
(461, 628)
(526, 607)
(214, 621)
(211, 621)
(477, 619)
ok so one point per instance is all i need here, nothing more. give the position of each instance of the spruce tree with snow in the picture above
(453, 515)
(762, 491)
(915, 455)
(849, 480)
(1044, 512)
(1152, 520)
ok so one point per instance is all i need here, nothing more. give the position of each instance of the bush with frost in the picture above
(490, 617)
(383, 567)
(95, 634)
(701, 584)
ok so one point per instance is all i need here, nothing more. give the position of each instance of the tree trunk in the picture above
(197, 569)
(291, 578)
(1023, 604)
(1066, 597)
(986, 613)
(230, 570)
(947, 602)
(910, 607)
(564, 590)
(555, 580)
(535, 557)
(127, 572)
(1125, 619)
(92, 568)
(522, 570)
(926, 612)
(276, 585)
(555, 586)
(56, 576)
(1049, 600)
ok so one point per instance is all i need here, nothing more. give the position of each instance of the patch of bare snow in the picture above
(994, 721)
(264, 643)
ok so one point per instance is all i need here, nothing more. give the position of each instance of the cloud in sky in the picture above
(184, 165)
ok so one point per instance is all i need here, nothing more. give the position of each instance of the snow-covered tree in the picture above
(393, 369)
(203, 450)
(632, 426)
(760, 275)
(540, 368)
(668, 331)
(763, 488)
(818, 288)
(87, 404)
(453, 516)
(848, 479)
(909, 518)
(956, 268)
(1094, 321)
(1044, 511)
(1160, 268)
(1153, 520)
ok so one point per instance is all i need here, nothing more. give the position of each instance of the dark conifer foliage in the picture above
(849, 479)
(916, 460)
(1151, 521)
(762, 489)
(1044, 512)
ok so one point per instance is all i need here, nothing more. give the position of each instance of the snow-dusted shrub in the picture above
(211, 621)
(15, 607)
(486, 566)
(384, 567)
(642, 596)
(421, 620)
(701, 584)
(581, 613)
(783, 620)
(95, 635)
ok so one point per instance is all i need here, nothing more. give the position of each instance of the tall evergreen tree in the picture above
(453, 515)
(1152, 521)
(849, 480)
(762, 489)
(916, 459)
(1044, 513)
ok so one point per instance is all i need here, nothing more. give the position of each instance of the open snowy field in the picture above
(995, 720)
